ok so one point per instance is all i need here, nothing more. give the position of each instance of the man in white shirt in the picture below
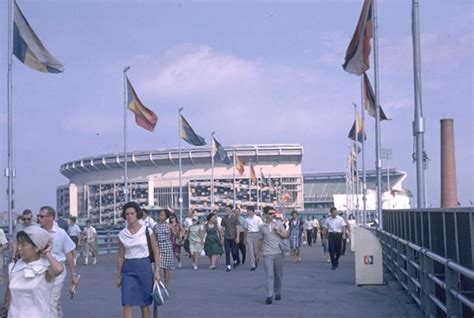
(147, 220)
(74, 232)
(90, 237)
(251, 235)
(335, 226)
(63, 251)
(308, 226)
(315, 224)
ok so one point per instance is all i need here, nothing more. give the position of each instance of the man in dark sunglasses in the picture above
(272, 234)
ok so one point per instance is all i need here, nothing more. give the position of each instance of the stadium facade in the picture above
(96, 184)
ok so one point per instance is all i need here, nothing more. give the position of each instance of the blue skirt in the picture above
(137, 282)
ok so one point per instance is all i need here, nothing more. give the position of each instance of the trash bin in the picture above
(368, 258)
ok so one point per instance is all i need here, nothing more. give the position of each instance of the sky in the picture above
(255, 72)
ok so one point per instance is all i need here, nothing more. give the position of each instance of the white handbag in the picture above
(160, 293)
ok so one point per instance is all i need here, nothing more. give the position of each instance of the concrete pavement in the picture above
(310, 289)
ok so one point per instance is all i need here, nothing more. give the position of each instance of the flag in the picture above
(262, 175)
(286, 197)
(240, 165)
(219, 152)
(253, 175)
(359, 127)
(187, 134)
(144, 117)
(27, 47)
(357, 53)
(353, 163)
(369, 99)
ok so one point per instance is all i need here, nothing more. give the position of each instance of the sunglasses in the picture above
(26, 219)
(43, 216)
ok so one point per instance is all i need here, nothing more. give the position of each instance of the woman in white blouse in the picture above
(31, 276)
(134, 269)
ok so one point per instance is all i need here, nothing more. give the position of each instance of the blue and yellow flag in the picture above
(357, 129)
(187, 133)
(357, 54)
(144, 117)
(369, 99)
(219, 152)
(27, 47)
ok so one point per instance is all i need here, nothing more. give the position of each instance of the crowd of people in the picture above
(149, 249)
(41, 254)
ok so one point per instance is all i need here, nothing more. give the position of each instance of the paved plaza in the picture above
(310, 289)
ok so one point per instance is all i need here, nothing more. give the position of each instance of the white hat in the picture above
(38, 236)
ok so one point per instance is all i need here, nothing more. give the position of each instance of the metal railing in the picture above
(430, 253)
(107, 243)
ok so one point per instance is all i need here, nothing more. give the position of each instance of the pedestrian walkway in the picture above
(310, 289)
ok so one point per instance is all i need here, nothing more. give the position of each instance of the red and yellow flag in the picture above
(240, 165)
(253, 175)
(144, 117)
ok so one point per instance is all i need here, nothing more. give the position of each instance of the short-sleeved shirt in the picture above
(3, 238)
(334, 225)
(271, 240)
(136, 245)
(148, 222)
(243, 223)
(62, 243)
(308, 225)
(230, 227)
(90, 234)
(74, 230)
(315, 223)
(253, 223)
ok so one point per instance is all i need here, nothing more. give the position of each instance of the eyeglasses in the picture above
(26, 219)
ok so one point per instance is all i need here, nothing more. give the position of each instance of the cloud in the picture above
(222, 88)
(203, 70)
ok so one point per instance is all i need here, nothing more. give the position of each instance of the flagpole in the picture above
(212, 170)
(378, 163)
(418, 123)
(355, 174)
(233, 177)
(258, 192)
(180, 199)
(125, 154)
(364, 181)
(9, 172)
(250, 182)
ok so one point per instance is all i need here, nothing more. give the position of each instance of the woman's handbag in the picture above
(151, 256)
(186, 246)
(160, 293)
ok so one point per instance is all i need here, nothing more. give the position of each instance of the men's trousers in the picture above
(57, 286)
(273, 273)
(334, 244)
(309, 237)
(252, 245)
(230, 247)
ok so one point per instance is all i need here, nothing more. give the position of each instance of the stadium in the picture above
(96, 184)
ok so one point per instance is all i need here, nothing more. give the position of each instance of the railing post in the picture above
(400, 260)
(452, 283)
(109, 243)
(427, 285)
(411, 272)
